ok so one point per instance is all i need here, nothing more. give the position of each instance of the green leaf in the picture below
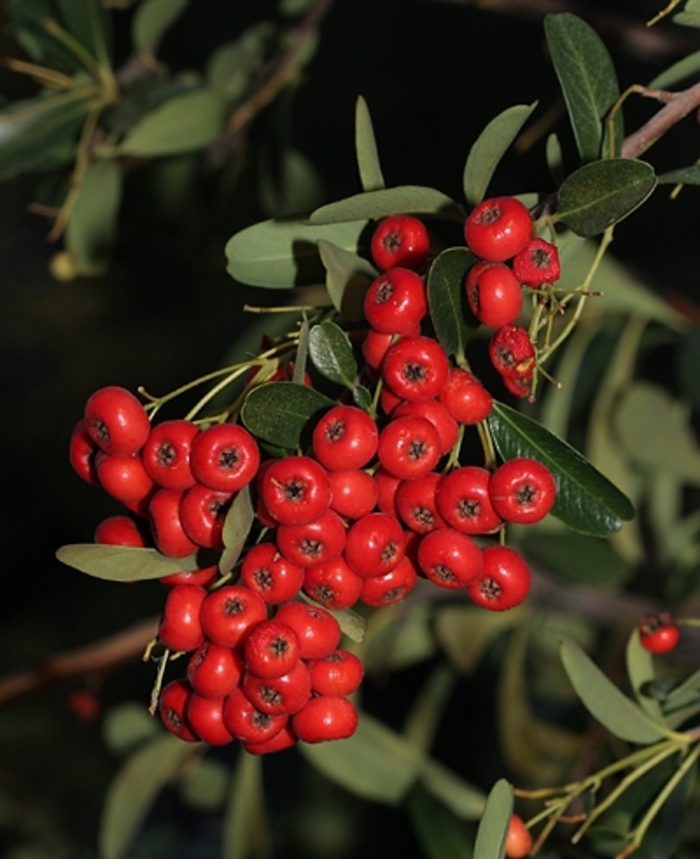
(245, 826)
(348, 277)
(292, 186)
(281, 254)
(126, 726)
(586, 500)
(685, 175)
(351, 624)
(406, 199)
(640, 670)
(151, 20)
(600, 194)
(587, 78)
(685, 68)
(280, 412)
(465, 633)
(687, 19)
(184, 123)
(331, 353)
(92, 225)
(493, 828)
(490, 147)
(462, 798)
(237, 524)
(362, 397)
(576, 557)
(89, 22)
(232, 66)
(122, 563)
(606, 703)
(204, 785)
(134, 790)
(371, 176)
(447, 300)
(440, 833)
(27, 18)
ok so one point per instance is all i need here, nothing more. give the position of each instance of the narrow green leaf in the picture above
(424, 717)
(348, 277)
(126, 726)
(406, 199)
(640, 670)
(371, 176)
(465, 633)
(606, 703)
(352, 625)
(685, 175)
(134, 790)
(493, 828)
(685, 68)
(462, 798)
(151, 20)
(555, 159)
(184, 123)
(282, 254)
(587, 78)
(447, 300)
(280, 412)
(685, 693)
(362, 397)
(245, 825)
(440, 833)
(302, 352)
(27, 18)
(586, 500)
(490, 147)
(600, 194)
(90, 23)
(237, 525)
(331, 353)
(203, 786)
(122, 563)
(92, 226)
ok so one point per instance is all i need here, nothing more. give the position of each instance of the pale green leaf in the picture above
(245, 824)
(203, 785)
(493, 827)
(370, 169)
(122, 563)
(406, 199)
(348, 277)
(232, 66)
(151, 21)
(126, 726)
(89, 22)
(92, 226)
(684, 68)
(237, 524)
(640, 670)
(292, 186)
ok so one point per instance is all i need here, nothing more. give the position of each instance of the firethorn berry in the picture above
(116, 421)
(214, 671)
(317, 630)
(344, 437)
(123, 477)
(494, 294)
(314, 542)
(284, 739)
(225, 457)
(375, 544)
(81, 453)
(465, 398)
(271, 649)
(447, 557)
(439, 417)
(415, 501)
(339, 673)
(504, 580)
(282, 695)
(247, 723)
(180, 627)
(519, 840)
(519, 386)
(396, 301)
(409, 447)
(387, 487)
(166, 454)
(120, 531)
(335, 585)
(229, 613)
(325, 718)
(295, 490)
(172, 708)
(511, 351)
(400, 240)
(391, 587)
(522, 490)
(353, 492)
(376, 345)
(537, 263)
(166, 525)
(498, 228)
(464, 501)
(269, 574)
(202, 513)
(389, 401)
(658, 633)
(206, 716)
(203, 577)
(415, 368)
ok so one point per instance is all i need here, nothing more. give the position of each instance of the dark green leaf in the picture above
(245, 827)
(302, 353)
(362, 397)
(371, 176)
(134, 790)
(331, 353)
(28, 19)
(587, 78)
(89, 22)
(685, 175)
(348, 277)
(151, 20)
(122, 563)
(406, 199)
(577, 558)
(586, 500)
(92, 226)
(687, 692)
(606, 703)
(462, 798)
(600, 194)
(237, 525)
(641, 673)
(281, 254)
(490, 147)
(184, 123)
(292, 185)
(279, 412)
(440, 833)
(447, 301)
(493, 827)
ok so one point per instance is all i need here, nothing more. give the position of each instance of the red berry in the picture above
(123, 477)
(203, 577)
(206, 716)
(448, 558)
(271, 575)
(658, 633)
(498, 228)
(387, 488)
(247, 723)
(313, 543)
(464, 501)
(537, 263)
(202, 513)
(120, 531)
(353, 492)
(116, 421)
(166, 454)
(439, 417)
(339, 673)
(282, 695)
(415, 368)
(271, 649)
(512, 352)
(396, 301)
(409, 447)
(229, 613)
(519, 840)
(375, 544)
(180, 627)
(391, 587)
(172, 708)
(282, 740)
(345, 437)
(400, 240)
(317, 630)
(214, 671)
(417, 505)
(523, 491)
(494, 294)
(295, 490)
(376, 344)
(325, 718)
(504, 581)
(81, 453)
(465, 398)
(334, 584)
(166, 525)
(225, 457)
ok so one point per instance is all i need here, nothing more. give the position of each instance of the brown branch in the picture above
(678, 106)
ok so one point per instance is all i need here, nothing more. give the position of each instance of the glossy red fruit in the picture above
(344, 437)
(338, 674)
(268, 573)
(206, 716)
(202, 514)
(417, 505)
(391, 587)
(464, 501)
(375, 544)
(284, 739)
(116, 421)
(658, 633)
(295, 490)
(282, 695)
(225, 457)
(354, 492)
(325, 718)
(120, 531)
(230, 613)
(449, 558)
(376, 344)
(166, 454)
(396, 301)
(166, 525)
(313, 543)
(180, 628)
(498, 228)
(400, 240)
(519, 840)
(494, 294)
(523, 490)
(123, 477)
(317, 630)
(387, 488)
(172, 709)
(504, 581)
(81, 453)
(247, 723)
(512, 352)
(214, 671)
(465, 398)
(203, 577)
(271, 649)
(434, 411)
(409, 447)
(415, 368)
(537, 263)
(334, 584)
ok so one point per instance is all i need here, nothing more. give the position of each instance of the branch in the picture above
(677, 106)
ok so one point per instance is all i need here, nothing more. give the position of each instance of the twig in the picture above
(678, 105)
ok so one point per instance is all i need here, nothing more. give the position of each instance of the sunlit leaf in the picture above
(351, 624)
(237, 525)
(493, 827)
(602, 193)
(245, 825)
(279, 412)
(92, 226)
(449, 311)
(489, 148)
(371, 176)
(151, 20)
(331, 353)
(348, 277)
(122, 563)
(404, 200)
(586, 500)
